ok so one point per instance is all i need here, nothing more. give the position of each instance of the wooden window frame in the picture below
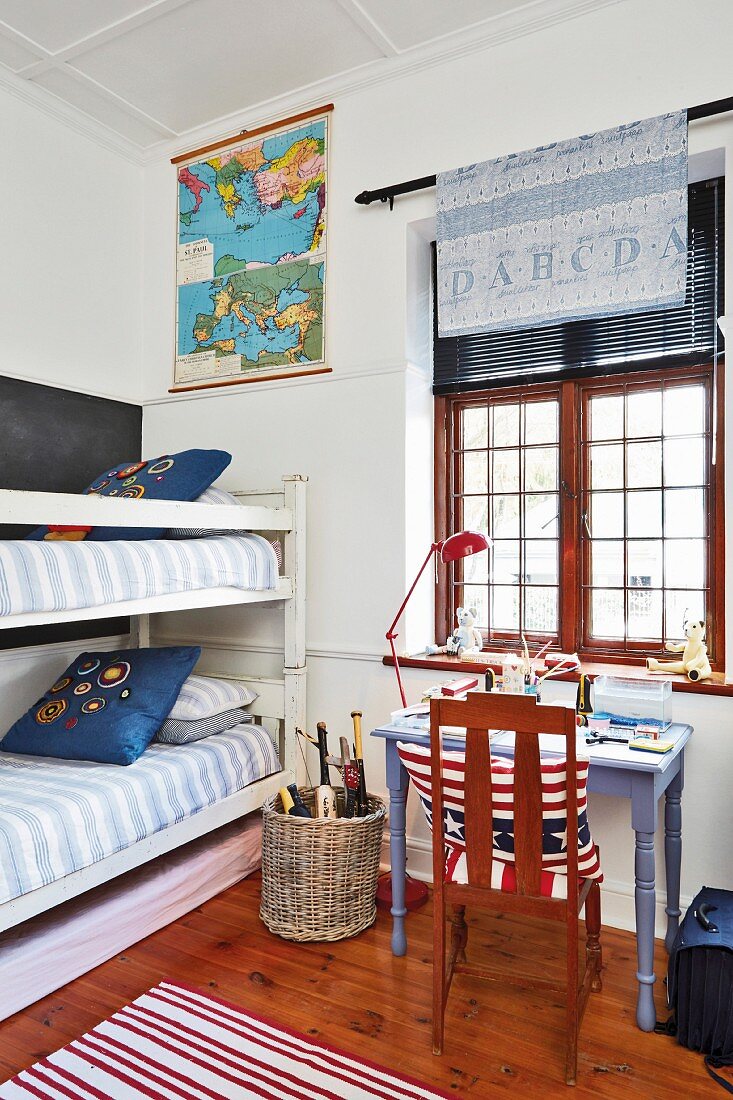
(453, 483)
(574, 548)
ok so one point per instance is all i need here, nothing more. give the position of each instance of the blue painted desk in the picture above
(614, 770)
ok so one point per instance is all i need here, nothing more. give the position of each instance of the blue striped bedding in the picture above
(64, 576)
(57, 816)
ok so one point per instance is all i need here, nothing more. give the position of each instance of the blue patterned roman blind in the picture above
(679, 336)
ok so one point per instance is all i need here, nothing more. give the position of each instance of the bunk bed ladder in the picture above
(294, 486)
(140, 631)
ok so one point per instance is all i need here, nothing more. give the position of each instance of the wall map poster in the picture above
(251, 258)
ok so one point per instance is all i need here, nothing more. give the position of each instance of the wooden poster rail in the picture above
(245, 135)
(244, 381)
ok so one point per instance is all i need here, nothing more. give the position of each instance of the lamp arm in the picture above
(391, 638)
(435, 546)
(390, 635)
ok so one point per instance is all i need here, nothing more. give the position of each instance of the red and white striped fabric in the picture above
(176, 1043)
(553, 882)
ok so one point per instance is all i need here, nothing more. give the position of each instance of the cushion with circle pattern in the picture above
(182, 476)
(105, 707)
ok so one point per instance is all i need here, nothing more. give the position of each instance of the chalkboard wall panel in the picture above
(57, 441)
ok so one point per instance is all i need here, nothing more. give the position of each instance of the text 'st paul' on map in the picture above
(252, 257)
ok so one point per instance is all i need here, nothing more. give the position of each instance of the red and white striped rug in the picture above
(176, 1043)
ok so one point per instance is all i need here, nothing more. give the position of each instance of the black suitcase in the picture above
(700, 980)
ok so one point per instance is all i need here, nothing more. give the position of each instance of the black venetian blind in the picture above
(681, 336)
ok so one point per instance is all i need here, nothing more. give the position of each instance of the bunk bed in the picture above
(280, 705)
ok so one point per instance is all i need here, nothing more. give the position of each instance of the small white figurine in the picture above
(465, 640)
(694, 652)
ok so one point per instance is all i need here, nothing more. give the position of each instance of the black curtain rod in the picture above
(389, 194)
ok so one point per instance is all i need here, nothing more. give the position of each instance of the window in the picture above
(602, 499)
(647, 479)
(591, 453)
(506, 478)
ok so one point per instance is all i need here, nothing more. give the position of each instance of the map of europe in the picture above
(251, 257)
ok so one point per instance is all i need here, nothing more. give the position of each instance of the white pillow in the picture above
(212, 495)
(205, 696)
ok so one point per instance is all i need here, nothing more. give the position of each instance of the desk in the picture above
(615, 770)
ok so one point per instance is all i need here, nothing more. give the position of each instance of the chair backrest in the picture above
(477, 714)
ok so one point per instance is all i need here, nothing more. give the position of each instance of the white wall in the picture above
(71, 270)
(363, 434)
(71, 292)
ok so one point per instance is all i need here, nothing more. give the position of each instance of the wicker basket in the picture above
(319, 877)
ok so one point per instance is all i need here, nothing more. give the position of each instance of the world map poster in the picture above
(251, 259)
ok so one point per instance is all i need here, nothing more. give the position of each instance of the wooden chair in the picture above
(477, 714)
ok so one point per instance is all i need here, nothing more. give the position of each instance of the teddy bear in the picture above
(465, 640)
(694, 654)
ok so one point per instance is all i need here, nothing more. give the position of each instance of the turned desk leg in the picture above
(673, 853)
(397, 783)
(645, 900)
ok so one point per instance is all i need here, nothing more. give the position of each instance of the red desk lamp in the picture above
(461, 545)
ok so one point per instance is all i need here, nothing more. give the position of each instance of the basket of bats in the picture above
(321, 849)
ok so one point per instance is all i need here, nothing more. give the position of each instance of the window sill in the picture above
(716, 685)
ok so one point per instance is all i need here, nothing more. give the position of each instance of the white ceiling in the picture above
(149, 71)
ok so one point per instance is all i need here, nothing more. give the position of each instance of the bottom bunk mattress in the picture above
(46, 952)
(58, 816)
(66, 576)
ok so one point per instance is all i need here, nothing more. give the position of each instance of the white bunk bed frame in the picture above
(281, 702)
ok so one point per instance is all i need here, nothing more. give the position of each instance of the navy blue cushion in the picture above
(106, 707)
(182, 476)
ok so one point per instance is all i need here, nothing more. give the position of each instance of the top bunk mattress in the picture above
(66, 576)
(58, 816)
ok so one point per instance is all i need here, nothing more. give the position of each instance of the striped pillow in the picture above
(215, 495)
(176, 731)
(212, 495)
(416, 759)
(205, 696)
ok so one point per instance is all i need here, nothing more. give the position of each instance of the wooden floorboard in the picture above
(500, 1040)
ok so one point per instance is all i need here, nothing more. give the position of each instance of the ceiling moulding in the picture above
(529, 19)
(366, 23)
(52, 58)
(48, 103)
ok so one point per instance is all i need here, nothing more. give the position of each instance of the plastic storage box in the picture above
(629, 702)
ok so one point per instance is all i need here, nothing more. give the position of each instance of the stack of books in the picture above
(417, 717)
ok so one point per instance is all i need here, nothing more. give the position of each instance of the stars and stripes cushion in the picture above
(416, 759)
(553, 884)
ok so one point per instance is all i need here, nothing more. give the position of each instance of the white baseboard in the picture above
(617, 898)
